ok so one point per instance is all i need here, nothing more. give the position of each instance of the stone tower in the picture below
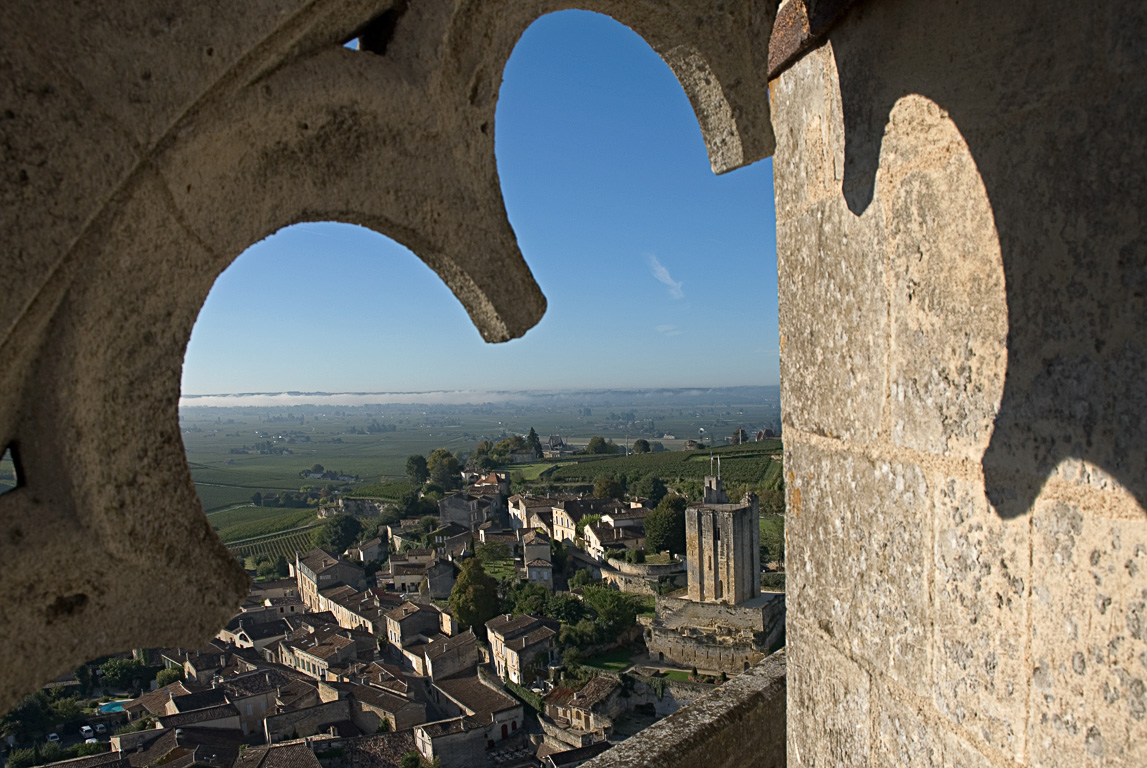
(723, 547)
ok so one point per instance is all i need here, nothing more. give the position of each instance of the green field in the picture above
(285, 544)
(750, 464)
(250, 522)
(617, 660)
(340, 438)
(386, 491)
(530, 472)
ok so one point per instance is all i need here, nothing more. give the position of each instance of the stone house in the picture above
(590, 710)
(412, 621)
(440, 578)
(454, 743)
(535, 544)
(520, 646)
(468, 695)
(539, 571)
(450, 655)
(602, 536)
(319, 570)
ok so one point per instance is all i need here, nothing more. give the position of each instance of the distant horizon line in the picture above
(437, 396)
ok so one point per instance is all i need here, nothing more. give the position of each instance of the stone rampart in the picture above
(739, 723)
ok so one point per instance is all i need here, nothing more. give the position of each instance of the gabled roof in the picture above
(453, 725)
(205, 715)
(319, 560)
(539, 563)
(472, 694)
(535, 537)
(156, 701)
(442, 647)
(212, 697)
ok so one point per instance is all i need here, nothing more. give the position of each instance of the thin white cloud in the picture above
(669, 330)
(661, 274)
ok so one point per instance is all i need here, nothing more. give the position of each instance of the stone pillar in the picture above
(960, 196)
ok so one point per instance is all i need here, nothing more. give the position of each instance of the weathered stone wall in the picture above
(305, 722)
(960, 193)
(715, 636)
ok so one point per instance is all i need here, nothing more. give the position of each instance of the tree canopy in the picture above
(641, 445)
(444, 469)
(598, 444)
(338, 533)
(608, 487)
(474, 599)
(533, 442)
(416, 469)
(650, 487)
(665, 526)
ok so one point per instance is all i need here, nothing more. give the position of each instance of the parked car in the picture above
(86, 731)
(53, 737)
(91, 741)
(101, 728)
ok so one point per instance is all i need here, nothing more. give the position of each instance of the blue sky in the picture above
(657, 272)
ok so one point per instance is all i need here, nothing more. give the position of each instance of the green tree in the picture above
(650, 487)
(598, 445)
(257, 499)
(608, 487)
(586, 520)
(492, 551)
(416, 469)
(533, 442)
(565, 607)
(411, 759)
(444, 469)
(317, 469)
(665, 526)
(168, 676)
(641, 445)
(581, 578)
(616, 611)
(338, 533)
(527, 598)
(28, 719)
(474, 599)
(121, 673)
(66, 710)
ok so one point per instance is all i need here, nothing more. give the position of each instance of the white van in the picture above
(86, 731)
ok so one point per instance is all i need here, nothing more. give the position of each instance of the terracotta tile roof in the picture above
(156, 701)
(383, 750)
(408, 609)
(594, 692)
(104, 760)
(453, 725)
(472, 694)
(318, 560)
(212, 697)
(540, 563)
(204, 715)
(278, 756)
(437, 649)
